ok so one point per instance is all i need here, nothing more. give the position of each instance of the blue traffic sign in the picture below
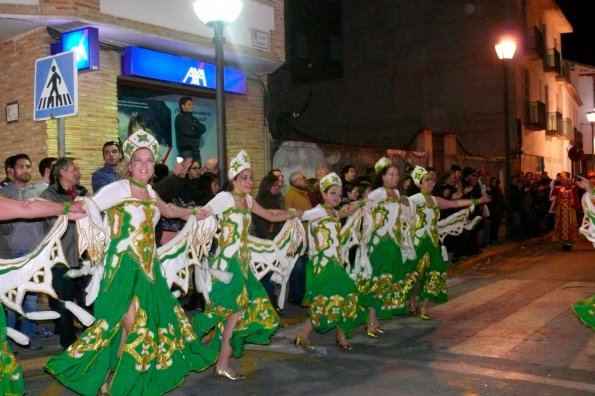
(56, 87)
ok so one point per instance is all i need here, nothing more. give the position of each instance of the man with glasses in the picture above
(109, 172)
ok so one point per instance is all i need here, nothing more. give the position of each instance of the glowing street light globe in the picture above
(211, 11)
(505, 49)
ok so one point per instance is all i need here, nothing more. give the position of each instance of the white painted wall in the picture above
(179, 15)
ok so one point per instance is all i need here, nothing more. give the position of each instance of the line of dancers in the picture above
(141, 341)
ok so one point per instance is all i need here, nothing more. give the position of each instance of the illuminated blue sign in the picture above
(142, 62)
(85, 44)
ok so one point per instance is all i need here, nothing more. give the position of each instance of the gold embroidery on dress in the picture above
(226, 236)
(436, 283)
(379, 216)
(321, 238)
(242, 299)
(144, 241)
(333, 308)
(185, 327)
(404, 287)
(143, 349)
(93, 338)
(115, 218)
(260, 311)
(140, 320)
(167, 347)
(211, 310)
(12, 365)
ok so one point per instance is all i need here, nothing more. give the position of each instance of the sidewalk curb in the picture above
(34, 365)
(471, 261)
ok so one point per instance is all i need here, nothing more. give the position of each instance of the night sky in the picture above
(579, 46)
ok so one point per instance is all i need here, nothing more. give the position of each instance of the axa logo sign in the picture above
(196, 76)
(156, 65)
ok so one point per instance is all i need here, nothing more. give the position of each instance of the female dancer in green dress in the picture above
(11, 376)
(142, 343)
(331, 296)
(430, 264)
(239, 311)
(388, 248)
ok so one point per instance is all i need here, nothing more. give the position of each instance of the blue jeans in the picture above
(27, 327)
(29, 305)
(297, 281)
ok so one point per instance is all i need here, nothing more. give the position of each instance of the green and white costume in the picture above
(585, 307)
(430, 264)
(331, 295)
(11, 375)
(31, 272)
(244, 292)
(162, 347)
(391, 255)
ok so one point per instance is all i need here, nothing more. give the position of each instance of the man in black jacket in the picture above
(188, 131)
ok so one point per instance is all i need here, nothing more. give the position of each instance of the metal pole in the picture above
(507, 170)
(61, 137)
(219, 42)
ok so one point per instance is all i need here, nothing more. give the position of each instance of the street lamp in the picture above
(505, 50)
(591, 118)
(218, 14)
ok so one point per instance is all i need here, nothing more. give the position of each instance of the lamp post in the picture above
(217, 14)
(505, 50)
(591, 118)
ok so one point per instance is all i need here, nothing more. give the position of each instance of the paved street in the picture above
(506, 330)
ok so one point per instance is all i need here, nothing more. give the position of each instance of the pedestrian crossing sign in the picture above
(56, 87)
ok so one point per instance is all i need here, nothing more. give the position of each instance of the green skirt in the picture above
(585, 310)
(10, 371)
(405, 281)
(332, 299)
(259, 319)
(432, 272)
(386, 259)
(157, 355)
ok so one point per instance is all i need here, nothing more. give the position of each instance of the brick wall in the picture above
(17, 69)
(85, 133)
(97, 120)
(245, 125)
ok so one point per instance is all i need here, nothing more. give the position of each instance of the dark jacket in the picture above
(188, 131)
(56, 193)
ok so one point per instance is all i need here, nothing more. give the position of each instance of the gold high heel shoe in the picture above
(346, 346)
(372, 333)
(421, 312)
(303, 343)
(226, 373)
(378, 329)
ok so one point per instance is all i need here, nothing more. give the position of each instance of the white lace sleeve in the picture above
(314, 213)
(111, 194)
(375, 196)
(221, 202)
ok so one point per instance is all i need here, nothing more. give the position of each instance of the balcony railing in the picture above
(536, 116)
(553, 61)
(534, 43)
(565, 72)
(554, 124)
(567, 127)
